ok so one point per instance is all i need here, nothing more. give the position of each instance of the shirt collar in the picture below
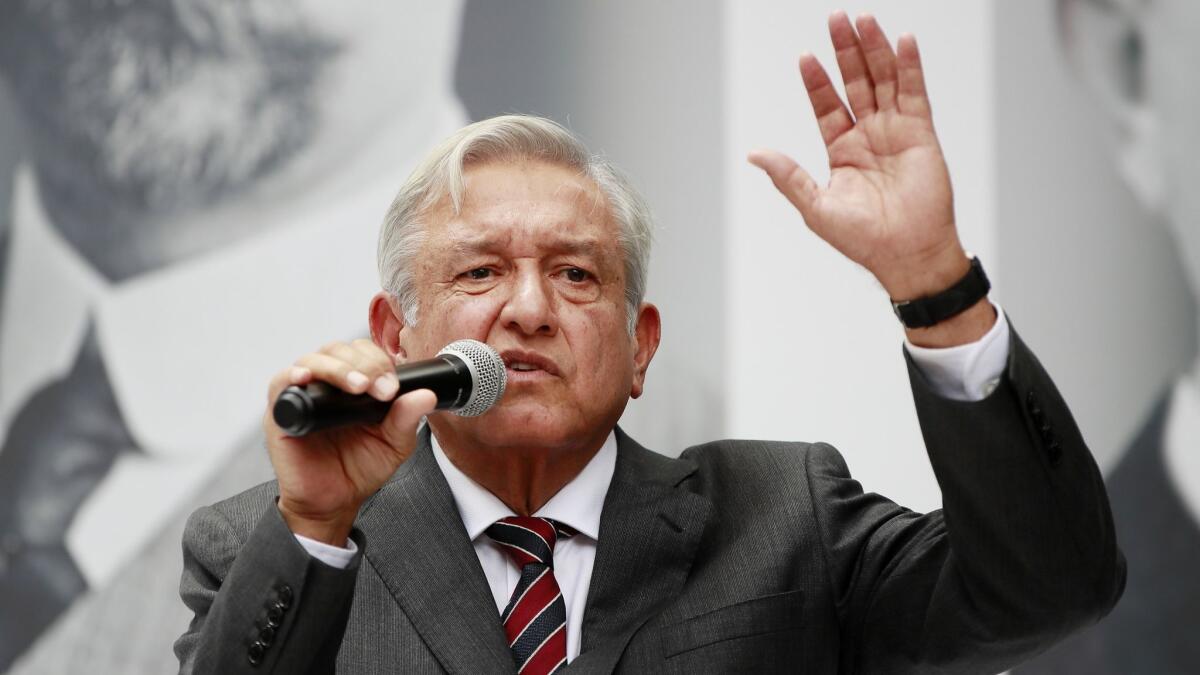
(1181, 435)
(577, 504)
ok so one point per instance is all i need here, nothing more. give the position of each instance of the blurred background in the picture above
(190, 193)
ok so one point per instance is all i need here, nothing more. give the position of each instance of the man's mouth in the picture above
(520, 361)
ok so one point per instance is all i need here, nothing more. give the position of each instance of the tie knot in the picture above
(527, 539)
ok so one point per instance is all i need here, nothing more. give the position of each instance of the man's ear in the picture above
(387, 324)
(647, 335)
(1106, 44)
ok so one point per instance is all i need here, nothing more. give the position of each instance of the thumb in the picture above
(789, 178)
(400, 425)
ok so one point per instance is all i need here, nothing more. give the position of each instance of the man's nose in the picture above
(530, 309)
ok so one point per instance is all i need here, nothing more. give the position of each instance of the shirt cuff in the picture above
(334, 556)
(967, 372)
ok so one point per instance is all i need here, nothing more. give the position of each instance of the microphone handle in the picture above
(319, 405)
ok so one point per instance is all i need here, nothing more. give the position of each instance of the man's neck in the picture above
(524, 477)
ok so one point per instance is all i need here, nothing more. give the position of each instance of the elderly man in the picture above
(539, 535)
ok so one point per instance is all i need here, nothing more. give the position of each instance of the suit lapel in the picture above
(416, 542)
(649, 532)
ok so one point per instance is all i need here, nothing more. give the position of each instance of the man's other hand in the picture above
(889, 205)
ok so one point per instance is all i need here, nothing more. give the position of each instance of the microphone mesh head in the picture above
(488, 376)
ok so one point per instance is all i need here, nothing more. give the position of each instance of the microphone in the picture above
(467, 376)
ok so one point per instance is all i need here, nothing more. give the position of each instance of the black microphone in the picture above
(467, 376)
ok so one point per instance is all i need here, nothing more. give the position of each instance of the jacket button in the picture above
(266, 636)
(285, 595)
(1054, 452)
(274, 616)
(255, 654)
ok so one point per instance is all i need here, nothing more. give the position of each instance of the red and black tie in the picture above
(535, 619)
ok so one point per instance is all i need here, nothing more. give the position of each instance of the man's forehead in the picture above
(488, 183)
(518, 203)
(480, 239)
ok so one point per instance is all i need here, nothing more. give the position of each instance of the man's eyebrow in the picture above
(575, 246)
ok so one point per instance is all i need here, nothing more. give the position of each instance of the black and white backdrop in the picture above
(190, 191)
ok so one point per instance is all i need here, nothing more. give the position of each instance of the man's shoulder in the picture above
(763, 462)
(739, 452)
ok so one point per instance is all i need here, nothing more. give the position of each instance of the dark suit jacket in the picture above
(740, 556)
(1154, 628)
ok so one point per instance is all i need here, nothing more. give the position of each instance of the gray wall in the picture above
(1090, 280)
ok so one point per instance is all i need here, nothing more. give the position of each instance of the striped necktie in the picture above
(535, 619)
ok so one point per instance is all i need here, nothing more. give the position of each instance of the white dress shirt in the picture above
(1181, 440)
(968, 372)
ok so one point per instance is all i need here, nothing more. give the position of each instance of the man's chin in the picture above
(522, 426)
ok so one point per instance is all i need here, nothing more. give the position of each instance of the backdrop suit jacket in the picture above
(740, 556)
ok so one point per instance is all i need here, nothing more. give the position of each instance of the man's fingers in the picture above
(400, 425)
(789, 178)
(285, 378)
(335, 371)
(912, 97)
(881, 61)
(860, 89)
(364, 357)
(832, 116)
(378, 366)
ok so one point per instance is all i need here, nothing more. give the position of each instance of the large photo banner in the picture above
(196, 191)
(190, 198)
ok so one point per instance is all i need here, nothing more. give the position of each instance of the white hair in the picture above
(508, 137)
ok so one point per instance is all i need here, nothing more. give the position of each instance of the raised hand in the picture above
(888, 205)
(324, 477)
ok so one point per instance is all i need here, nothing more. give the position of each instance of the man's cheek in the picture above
(470, 315)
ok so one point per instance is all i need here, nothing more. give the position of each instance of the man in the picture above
(1137, 56)
(539, 535)
(170, 221)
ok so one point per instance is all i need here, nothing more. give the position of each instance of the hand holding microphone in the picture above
(467, 377)
(367, 410)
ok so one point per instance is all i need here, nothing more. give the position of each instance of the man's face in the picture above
(532, 266)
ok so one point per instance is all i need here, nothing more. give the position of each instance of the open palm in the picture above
(888, 205)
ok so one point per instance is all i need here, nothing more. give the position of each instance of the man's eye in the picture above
(479, 274)
(576, 275)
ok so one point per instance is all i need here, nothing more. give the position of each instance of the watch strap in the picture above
(927, 311)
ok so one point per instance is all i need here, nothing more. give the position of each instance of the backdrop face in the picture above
(1099, 203)
(192, 202)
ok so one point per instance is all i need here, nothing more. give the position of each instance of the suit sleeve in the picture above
(1022, 553)
(261, 604)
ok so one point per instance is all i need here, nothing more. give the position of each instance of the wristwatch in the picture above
(925, 312)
